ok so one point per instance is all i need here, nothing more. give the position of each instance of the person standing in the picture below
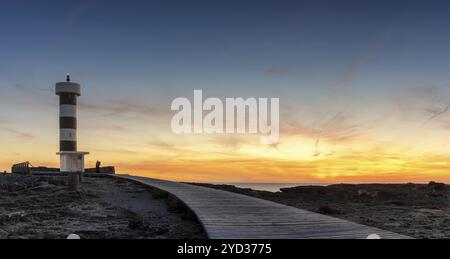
(97, 167)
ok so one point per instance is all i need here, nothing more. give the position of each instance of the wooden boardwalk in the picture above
(226, 215)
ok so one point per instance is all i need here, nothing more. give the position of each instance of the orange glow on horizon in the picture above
(278, 171)
(375, 157)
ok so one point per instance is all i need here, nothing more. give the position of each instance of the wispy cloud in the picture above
(120, 107)
(114, 151)
(162, 144)
(33, 91)
(336, 129)
(110, 128)
(434, 113)
(102, 107)
(373, 48)
(232, 142)
(29, 97)
(18, 134)
(430, 100)
(339, 128)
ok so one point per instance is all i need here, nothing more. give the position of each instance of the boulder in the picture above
(327, 210)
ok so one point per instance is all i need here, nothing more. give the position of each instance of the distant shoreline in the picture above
(270, 187)
(276, 187)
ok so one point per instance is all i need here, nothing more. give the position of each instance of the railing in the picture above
(27, 169)
(22, 168)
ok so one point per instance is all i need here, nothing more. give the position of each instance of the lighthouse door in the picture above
(80, 164)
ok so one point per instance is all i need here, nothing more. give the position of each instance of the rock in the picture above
(437, 186)
(3, 234)
(328, 210)
(395, 203)
(137, 222)
(159, 230)
(371, 194)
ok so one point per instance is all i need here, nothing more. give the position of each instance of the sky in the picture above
(364, 86)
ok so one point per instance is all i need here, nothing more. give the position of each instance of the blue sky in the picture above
(118, 44)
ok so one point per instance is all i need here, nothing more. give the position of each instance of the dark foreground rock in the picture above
(417, 210)
(39, 207)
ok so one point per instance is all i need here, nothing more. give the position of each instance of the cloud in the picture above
(434, 113)
(351, 71)
(120, 107)
(114, 128)
(116, 107)
(162, 144)
(431, 90)
(4, 123)
(18, 134)
(336, 129)
(33, 91)
(431, 100)
(232, 142)
(103, 107)
(115, 151)
(28, 97)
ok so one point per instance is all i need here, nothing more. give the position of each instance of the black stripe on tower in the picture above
(67, 123)
(67, 99)
(68, 146)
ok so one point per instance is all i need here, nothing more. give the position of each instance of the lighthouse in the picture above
(71, 160)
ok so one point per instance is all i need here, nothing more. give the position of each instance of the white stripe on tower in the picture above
(68, 135)
(68, 110)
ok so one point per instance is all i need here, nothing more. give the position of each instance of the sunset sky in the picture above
(364, 86)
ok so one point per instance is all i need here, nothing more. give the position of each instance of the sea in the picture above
(271, 187)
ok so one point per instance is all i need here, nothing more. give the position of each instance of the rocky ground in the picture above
(42, 208)
(420, 211)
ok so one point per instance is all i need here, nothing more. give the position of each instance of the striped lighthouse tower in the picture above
(72, 161)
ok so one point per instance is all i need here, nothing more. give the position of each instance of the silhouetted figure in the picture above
(97, 167)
